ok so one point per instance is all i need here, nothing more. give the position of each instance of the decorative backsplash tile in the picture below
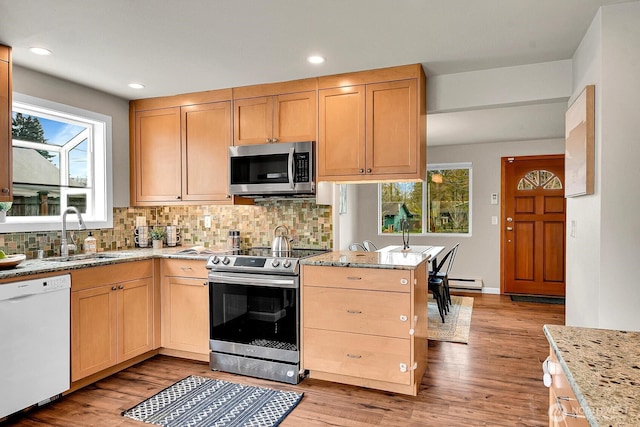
(309, 226)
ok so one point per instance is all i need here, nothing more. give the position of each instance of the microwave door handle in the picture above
(291, 167)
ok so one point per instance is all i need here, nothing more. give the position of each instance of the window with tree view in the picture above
(442, 204)
(59, 160)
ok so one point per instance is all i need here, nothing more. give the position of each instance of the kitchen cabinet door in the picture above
(185, 308)
(252, 120)
(392, 127)
(341, 135)
(294, 117)
(93, 330)
(6, 176)
(156, 157)
(135, 318)
(206, 136)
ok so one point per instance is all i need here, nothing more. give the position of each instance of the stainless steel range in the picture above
(254, 300)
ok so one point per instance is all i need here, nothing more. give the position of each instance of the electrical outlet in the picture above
(494, 198)
(207, 221)
(494, 220)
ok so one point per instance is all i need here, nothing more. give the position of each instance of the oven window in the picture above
(255, 315)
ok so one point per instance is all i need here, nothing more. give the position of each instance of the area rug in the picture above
(456, 323)
(542, 300)
(199, 402)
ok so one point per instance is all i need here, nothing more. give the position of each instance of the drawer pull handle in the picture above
(563, 412)
(403, 281)
(354, 312)
(403, 318)
(354, 356)
(186, 268)
(354, 278)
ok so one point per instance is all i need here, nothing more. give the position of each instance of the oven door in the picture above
(255, 315)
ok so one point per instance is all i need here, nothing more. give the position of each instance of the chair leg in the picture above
(438, 296)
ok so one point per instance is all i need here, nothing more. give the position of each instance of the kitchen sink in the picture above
(86, 257)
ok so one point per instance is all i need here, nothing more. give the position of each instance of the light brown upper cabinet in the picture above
(372, 125)
(6, 176)
(272, 113)
(179, 149)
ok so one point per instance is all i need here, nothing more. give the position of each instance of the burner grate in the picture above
(274, 344)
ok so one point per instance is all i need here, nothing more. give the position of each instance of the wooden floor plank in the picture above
(495, 380)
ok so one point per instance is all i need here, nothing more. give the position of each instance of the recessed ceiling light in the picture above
(315, 59)
(136, 85)
(40, 51)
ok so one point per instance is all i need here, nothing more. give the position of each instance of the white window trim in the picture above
(103, 175)
(434, 166)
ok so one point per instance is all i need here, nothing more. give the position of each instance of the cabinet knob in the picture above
(121, 287)
(113, 288)
(268, 140)
(5, 190)
(228, 196)
(205, 283)
(361, 170)
(274, 140)
(369, 170)
(178, 197)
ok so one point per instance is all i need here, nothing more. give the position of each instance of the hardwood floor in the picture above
(495, 380)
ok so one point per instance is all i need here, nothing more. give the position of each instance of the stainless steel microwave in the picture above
(281, 169)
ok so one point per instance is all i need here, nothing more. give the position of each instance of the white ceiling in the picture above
(185, 46)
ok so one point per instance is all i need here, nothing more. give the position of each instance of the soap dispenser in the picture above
(90, 244)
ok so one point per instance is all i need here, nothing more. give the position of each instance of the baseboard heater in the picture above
(465, 283)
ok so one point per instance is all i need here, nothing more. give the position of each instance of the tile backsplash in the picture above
(309, 226)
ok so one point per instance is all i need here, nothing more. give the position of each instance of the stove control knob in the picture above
(215, 259)
(275, 263)
(226, 260)
(286, 263)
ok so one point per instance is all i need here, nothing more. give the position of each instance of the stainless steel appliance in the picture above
(34, 342)
(281, 169)
(254, 300)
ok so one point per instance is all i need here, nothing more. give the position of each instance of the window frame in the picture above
(425, 195)
(100, 212)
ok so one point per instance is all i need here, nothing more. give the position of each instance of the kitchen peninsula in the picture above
(364, 318)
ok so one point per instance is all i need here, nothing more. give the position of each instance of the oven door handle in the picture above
(250, 280)
(291, 167)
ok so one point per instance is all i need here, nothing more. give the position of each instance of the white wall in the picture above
(479, 254)
(33, 83)
(602, 288)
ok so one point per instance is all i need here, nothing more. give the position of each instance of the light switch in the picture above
(494, 199)
(572, 228)
(494, 220)
(207, 221)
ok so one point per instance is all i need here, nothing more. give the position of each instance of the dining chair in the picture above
(369, 246)
(436, 287)
(357, 247)
(439, 273)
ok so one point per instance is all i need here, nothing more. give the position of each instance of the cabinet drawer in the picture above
(185, 268)
(355, 355)
(90, 277)
(350, 310)
(358, 278)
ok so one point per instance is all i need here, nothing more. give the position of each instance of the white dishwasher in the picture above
(34, 341)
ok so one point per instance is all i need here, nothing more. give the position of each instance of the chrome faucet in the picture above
(64, 246)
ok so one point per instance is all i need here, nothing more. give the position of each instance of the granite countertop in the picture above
(380, 259)
(603, 368)
(53, 264)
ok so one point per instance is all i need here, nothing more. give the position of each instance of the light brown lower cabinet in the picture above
(564, 409)
(111, 316)
(185, 309)
(365, 326)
